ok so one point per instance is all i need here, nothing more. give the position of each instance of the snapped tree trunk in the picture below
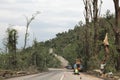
(106, 45)
(27, 27)
(26, 35)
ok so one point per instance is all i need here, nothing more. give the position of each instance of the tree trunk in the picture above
(26, 36)
(106, 45)
(27, 27)
(117, 30)
(12, 41)
(95, 19)
(87, 13)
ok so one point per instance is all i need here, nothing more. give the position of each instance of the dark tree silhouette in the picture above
(116, 30)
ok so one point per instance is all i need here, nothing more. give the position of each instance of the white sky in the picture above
(56, 16)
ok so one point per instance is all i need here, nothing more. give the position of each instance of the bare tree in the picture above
(87, 18)
(117, 26)
(87, 9)
(95, 19)
(29, 20)
(116, 30)
(92, 13)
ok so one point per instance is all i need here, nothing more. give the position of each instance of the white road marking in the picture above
(62, 77)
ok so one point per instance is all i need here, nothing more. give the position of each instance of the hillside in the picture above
(72, 44)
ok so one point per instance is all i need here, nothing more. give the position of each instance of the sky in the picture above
(55, 16)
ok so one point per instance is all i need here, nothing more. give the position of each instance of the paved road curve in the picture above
(56, 74)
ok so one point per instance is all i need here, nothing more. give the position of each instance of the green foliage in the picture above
(12, 37)
(37, 56)
(76, 43)
(72, 44)
(70, 53)
(33, 58)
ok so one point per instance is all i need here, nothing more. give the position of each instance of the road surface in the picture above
(56, 74)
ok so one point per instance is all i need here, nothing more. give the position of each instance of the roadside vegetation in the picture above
(85, 41)
(28, 60)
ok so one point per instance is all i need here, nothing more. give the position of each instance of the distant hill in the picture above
(72, 43)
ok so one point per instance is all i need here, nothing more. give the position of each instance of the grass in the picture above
(2, 78)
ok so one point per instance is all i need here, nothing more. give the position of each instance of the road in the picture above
(56, 74)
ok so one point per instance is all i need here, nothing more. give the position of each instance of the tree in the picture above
(12, 40)
(29, 20)
(92, 12)
(95, 19)
(87, 10)
(11, 45)
(86, 34)
(116, 30)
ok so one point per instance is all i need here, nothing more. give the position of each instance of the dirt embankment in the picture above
(63, 61)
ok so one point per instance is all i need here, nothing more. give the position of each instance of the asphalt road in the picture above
(56, 74)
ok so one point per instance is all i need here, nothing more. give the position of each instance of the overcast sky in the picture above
(56, 16)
